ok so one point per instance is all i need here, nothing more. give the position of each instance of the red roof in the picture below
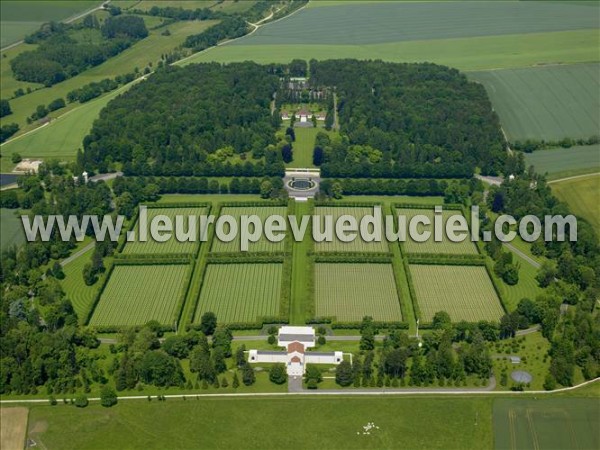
(295, 347)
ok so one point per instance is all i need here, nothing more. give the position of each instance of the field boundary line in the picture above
(341, 392)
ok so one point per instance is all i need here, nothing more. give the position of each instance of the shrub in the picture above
(81, 401)
(108, 397)
(52, 400)
(312, 384)
(278, 374)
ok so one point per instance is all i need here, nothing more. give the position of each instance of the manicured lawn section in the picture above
(240, 292)
(137, 294)
(357, 245)
(80, 294)
(464, 292)
(320, 423)
(532, 349)
(173, 245)
(408, 21)
(263, 244)
(349, 292)
(304, 146)
(581, 194)
(564, 161)
(300, 292)
(446, 246)
(527, 287)
(475, 53)
(546, 423)
(11, 228)
(20, 18)
(8, 84)
(548, 103)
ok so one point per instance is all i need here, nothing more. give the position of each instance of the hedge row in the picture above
(446, 260)
(239, 258)
(154, 258)
(99, 294)
(354, 257)
(353, 204)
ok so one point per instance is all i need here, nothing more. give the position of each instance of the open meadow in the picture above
(241, 292)
(581, 194)
(349, 291)
(445, 246)
(464, 292)
(549, 103)
(137, 294)
(11, 228)
(171, 246)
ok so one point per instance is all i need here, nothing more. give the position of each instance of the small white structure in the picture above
(285, 116)
(304, 115)
(296, 340)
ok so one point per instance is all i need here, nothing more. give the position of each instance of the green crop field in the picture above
(11, 228)
(263, 244)
(446, 246)
(137, 294)
(140, 55)
(349, 292)
(464, 292)
(358, 245)
(240, 292)
(20, 18)
(540, 424)
(173, 245)
(408, 423)
(581, 194)
(527, 287)
(559, 162)
(548, 103)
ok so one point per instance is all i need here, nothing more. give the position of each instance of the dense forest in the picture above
(190, 121)
(424, 119)
(61, 54)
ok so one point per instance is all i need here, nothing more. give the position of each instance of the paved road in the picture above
(494, 181)
(574, 177)
(77, 254)
(106, 176)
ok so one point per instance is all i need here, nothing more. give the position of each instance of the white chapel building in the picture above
(296, 341)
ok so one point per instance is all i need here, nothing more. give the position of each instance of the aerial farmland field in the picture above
(581, 194)
(263, 244)
(349, 291)
(549, 103)
(563, 162)
(545, 423)
(446, 246)
(241, 292)
(464, 292)
(137, 294)
(172, 246)
(358, 245)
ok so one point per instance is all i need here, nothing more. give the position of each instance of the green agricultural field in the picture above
(137, 294)
(527, 287)
(263, 244)
(464, 292)
(11, 228)
(581, 194)
(349, 292)
(19, 18)
(564, 162)
(417, 21)
(446, 246)
(358, 245)
(546, 423)
(141, 54)
(333, 423)
(548, 103)
(173, 245)
(475, 53)
(241, 292)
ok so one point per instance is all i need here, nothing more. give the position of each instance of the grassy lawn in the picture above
(300, 297)
(80, 294)
(303, 146)
(581, 194)
(11, 227)
(548, 103)
(321, 422)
